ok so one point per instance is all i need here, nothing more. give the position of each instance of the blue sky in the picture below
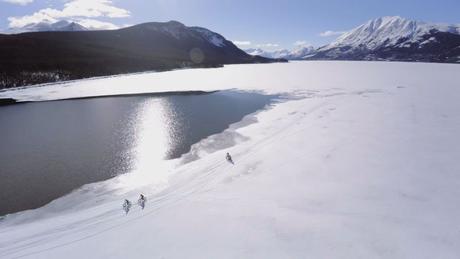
(270, 24)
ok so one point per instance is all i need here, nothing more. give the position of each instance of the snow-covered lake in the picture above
(361, 162)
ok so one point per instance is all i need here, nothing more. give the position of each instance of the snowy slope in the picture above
(182, 32)
(361, 161)
(212, 37)
(388, 31)
(396, 39)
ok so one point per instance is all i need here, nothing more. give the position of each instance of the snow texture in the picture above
(359, 161)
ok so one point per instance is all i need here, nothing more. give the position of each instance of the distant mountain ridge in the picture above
(394, 38)
(299, 53)
(39, 57)
(389, 31)
(391, 38)
(62, 25)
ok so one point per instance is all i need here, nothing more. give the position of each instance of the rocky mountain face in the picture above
(39, 57)
(396, 39)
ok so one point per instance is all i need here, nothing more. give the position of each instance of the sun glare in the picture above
(153, 139)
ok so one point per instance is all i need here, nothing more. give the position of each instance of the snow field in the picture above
(361, 162)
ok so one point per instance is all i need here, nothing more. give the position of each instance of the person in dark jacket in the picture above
(126, 206)
(229, 158)
(142, 200)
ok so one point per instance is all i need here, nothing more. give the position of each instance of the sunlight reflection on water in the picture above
(154, 134)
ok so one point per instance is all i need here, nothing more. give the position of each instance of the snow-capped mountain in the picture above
(389, 31)
(50, 26)
(396, 38)
(300, 52)
(281, 53)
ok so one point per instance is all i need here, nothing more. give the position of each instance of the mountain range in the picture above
(390, 38)
(300, 52)
(62, 25)
(63, 50)
(39, 57)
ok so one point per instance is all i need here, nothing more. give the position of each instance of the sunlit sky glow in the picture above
(269, 24)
